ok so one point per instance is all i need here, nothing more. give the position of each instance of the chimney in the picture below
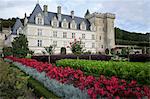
(25, 19)
(45, 7)
(72, 14)
(59, 13)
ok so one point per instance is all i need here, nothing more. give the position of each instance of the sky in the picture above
(131, 15)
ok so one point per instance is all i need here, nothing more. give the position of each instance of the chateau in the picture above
(43, 28)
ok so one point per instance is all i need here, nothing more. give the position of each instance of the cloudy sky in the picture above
(131, 15)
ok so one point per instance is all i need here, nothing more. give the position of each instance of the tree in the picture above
(76, 47)
(20, 46)
(50, 51)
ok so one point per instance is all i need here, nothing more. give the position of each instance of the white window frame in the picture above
(83, 36)
(83, 44)
(64, 34)
(93, 45)
(73, 35)
(39, 32)
(55, 34)
(39, 42)
(93, 37)
(55, 43)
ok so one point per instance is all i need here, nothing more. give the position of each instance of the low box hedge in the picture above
(139, 57)
(124, 70)
(54, 58)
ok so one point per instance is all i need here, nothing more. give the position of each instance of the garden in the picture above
(78, 76)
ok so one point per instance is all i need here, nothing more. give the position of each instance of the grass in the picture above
(39, 89)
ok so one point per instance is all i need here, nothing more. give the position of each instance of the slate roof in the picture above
(16, 26)
(50, 15)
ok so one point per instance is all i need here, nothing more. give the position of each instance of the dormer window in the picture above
(83, 26)
(39, 19)
(19, 31)
(54, 22)
(92, 27)
(64, 24)
(73, 25)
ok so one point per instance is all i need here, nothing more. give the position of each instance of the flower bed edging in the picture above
(62, 90)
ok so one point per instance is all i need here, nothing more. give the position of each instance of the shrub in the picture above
(54, 58)
(124, 70)
(139, 57)
(76, 47)
(7, 51)
(13, 83)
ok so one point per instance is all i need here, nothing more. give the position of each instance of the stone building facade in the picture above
(44, 28)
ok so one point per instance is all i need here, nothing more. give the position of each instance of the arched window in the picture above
(64, 23)
(83, 26)
(73, 25)
(55, 22)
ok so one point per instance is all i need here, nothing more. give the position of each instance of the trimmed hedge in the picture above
(54, 58)
(123, 70)
(139, 57)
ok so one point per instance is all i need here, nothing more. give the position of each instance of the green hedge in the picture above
(125, 70)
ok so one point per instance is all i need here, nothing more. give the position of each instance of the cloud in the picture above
(132, 15)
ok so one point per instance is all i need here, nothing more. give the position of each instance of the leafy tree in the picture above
(20, 46)
(76, 47)
(50, 51)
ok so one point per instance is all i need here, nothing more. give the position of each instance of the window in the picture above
(39, 32)
(99, 37)
(20, 31)
(83, 44)
(39, 21)
(39, 43)
(73, 25)
(101, 46)
(55, 34)
(64, 34)
(65, 43)
(93, 37)
(83, 36)
(93, 45)
(55, 43)
(55, 24)
(83, 27)
(73, 35)
(65, 25)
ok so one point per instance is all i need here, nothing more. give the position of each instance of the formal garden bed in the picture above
(15, 84)
(125, 70)
(70, 83)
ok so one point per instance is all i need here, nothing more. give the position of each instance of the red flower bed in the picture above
(96, 87)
